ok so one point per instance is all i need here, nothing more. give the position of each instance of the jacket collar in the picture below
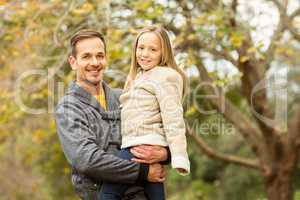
(112, 100)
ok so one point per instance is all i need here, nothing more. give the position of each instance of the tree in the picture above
(205, 34)
(216, 28)
(276, 148)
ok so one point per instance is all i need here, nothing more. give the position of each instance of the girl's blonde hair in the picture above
(167, 56)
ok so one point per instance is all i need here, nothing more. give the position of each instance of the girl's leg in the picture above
(155, 191)
(115, 191)
(110, 191)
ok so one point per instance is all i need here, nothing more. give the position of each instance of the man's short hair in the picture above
(85, 34)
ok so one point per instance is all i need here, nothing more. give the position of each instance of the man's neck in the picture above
(93, 89)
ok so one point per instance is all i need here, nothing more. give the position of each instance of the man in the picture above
(88, 125)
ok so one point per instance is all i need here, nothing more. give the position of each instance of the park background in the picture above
(242, 59)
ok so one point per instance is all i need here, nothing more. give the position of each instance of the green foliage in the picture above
(52, 163)
(246, 184)
(35, 36)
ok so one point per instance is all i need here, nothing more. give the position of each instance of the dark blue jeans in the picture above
(111, 191)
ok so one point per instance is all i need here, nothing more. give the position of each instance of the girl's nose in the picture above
(145, 53)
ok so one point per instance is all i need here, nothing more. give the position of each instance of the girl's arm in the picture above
(169, 96)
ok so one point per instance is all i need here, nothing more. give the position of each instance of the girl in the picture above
(152, 107)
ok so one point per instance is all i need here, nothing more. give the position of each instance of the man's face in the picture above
(90, 61)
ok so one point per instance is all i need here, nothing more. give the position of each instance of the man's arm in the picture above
(151, 154)
(82, 152)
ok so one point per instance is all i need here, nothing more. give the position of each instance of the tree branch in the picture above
(250, 163)
(234, 5)
(286, 21)
(52, 71)
(253, 72)
(270, 53)
(249, 131)
(196, 42)
(293, 30)
(280, 7)
(295, 13)
(254, 89)
(218, 54)
(294, 126)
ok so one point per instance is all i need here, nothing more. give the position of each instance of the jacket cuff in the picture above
(168, 161)
(181, 162)
(143, 173)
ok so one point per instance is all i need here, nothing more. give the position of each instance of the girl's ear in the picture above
(72, 62)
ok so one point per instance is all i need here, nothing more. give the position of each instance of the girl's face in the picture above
(148, 51)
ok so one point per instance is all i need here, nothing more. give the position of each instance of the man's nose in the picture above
(94, 61)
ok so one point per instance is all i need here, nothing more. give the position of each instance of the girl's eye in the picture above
(153, 49)
(140, 48)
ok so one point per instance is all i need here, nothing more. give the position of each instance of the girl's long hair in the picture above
(167, 56)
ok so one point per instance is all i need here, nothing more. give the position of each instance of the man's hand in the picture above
(156, 173)
(149, 154)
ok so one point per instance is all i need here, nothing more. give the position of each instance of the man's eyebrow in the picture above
(89, 53)
(85, 53)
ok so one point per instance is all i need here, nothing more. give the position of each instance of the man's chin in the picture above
(93, 81)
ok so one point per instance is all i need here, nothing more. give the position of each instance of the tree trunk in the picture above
(279, 183)
(280, 187)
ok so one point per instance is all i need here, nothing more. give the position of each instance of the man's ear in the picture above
(72, 62)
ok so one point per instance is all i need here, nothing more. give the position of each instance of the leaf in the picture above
(191, 111)
(85, 9)
(191, 37)
(289, 52)
(244, 59)
(236, 40)
(251, 50)
(3, 2)
(201, 20)
(220, 34)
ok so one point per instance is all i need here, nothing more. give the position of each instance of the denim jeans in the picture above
(111, 191)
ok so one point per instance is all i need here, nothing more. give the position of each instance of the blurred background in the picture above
(225, 47)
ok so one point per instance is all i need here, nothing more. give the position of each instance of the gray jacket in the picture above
(90, 138)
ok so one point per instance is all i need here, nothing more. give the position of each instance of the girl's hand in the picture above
(182, 171)
(149, 154)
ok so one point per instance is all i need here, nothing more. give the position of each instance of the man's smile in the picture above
(94, 71)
